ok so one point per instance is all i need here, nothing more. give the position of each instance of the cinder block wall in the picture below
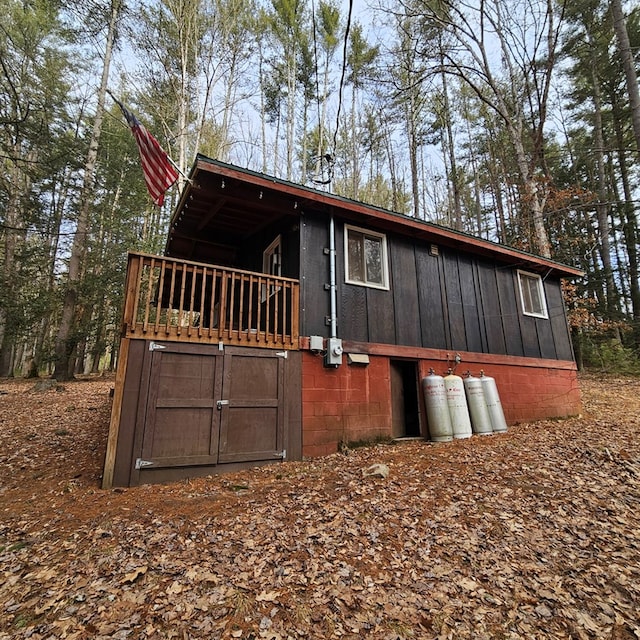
(353, 403)
(346, 404)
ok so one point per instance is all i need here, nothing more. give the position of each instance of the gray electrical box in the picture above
(316, 343)
(334, 352)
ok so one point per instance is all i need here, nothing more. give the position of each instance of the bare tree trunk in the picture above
(629, 224)
(263, 114)
(292, 81)
(66, 338)
(602, 207)
(453, 167)
(620, 28)
(12, 222)
(355, 164)
(413, 153)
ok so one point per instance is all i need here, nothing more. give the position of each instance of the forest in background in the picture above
(514, 120)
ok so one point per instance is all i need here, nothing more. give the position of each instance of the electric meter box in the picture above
(333, 358)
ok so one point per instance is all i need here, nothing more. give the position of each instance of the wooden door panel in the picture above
(252, 436)
(182, 421)
(253, 377)
(252, 422)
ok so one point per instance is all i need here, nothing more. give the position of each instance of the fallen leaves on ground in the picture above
(530, 534)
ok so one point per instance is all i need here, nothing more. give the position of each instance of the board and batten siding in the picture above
(453, 300)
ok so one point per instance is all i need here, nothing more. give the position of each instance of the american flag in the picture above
(159, 172)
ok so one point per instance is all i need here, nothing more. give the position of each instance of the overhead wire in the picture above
(342, 76)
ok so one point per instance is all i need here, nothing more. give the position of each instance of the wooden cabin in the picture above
(284, 321)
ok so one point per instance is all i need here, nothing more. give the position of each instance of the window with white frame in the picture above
(365, 258)
(272, 264)
(532, 295)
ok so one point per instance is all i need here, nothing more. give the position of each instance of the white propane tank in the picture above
(480, 418)
(435, 399)
(458, 410)
(494, 406)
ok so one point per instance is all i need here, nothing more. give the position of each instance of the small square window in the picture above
(532, 295)
(365, 258)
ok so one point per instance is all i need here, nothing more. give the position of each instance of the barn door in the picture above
(204, 406)
(181, 424)
(252, 410)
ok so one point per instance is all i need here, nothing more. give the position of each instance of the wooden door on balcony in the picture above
(205, 406)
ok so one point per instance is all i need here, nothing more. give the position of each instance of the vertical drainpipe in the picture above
(333, 354)
(332, 278)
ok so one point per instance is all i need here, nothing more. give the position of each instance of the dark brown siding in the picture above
(558, 320)
(454, 303)
(493, 320)
(452, 300)
(430, 295)
(314, 274)
(530, 339)
(545, 339)
(403, 276)
(510, 311)
(381, 316)
(469, 291)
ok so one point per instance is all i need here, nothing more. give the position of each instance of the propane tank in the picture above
(494, 406)
(480, 418)
(435, 399)
(458, 410)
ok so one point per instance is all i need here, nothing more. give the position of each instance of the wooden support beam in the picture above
(116, 412)
(212, 213)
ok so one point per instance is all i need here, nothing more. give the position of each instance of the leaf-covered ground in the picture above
(531, 534)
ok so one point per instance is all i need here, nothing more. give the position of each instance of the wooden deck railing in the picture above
(177, 300)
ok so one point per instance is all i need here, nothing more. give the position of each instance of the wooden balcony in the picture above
(181, 301)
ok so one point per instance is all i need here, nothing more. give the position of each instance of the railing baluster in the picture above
(267, 314)
(241, 309)
(276, 306)
(183, 285)
(259, 307)
(212, 308)
(232, 304)
(170, 302)
(223, 312)
(145, 321)
(251, 322)
(202, 291)
(295, 314)
(191, 312)
(283, 318)
(163, 266)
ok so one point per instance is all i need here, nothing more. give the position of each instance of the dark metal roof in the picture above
(223, 205)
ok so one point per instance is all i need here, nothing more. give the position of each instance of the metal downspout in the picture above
(332, 278)
(333, 352)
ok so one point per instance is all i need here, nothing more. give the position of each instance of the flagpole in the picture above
(179, 170)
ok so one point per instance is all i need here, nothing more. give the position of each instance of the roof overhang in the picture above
(222, 205)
